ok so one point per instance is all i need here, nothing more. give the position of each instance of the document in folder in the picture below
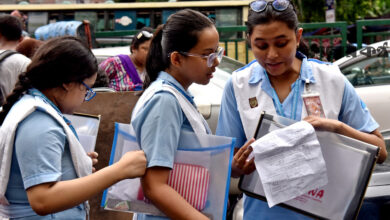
(349, 164)
(86, 127)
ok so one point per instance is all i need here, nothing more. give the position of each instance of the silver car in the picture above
(369, 72)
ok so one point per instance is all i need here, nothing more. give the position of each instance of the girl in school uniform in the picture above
(183, 51)
(45, 172)
(275, 83)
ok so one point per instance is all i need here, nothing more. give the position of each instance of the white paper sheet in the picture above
(88, 142)
(289, 162)
(86, 129)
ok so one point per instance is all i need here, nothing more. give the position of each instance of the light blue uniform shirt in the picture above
(353, 112)
(158, 125)
(41, 155)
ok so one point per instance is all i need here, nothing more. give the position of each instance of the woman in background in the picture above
(127, 72)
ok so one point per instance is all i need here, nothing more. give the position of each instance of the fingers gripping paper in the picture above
(201, 174)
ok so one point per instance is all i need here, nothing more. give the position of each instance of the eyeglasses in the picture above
(261, 5)
(90, 93)
(210, 58)
(145, 34)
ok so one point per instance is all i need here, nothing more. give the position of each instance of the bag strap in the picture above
(198, 124)
(6, 54)
(3, 56)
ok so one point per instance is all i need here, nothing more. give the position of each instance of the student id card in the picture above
(312, 102)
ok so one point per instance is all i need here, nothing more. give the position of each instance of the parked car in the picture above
(368, 70)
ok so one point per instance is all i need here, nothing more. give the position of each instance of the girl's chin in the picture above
(274, 73)
(274, 68)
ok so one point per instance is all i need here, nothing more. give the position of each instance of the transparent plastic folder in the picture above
(349, 163)
(211, 154)
(87, 127)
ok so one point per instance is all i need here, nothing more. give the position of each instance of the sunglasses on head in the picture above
(277, 5)
(145, 34)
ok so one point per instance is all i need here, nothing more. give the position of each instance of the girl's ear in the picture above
(175, 58)
(299, 35)
(132, 48)
(248, 40)
(66, 86)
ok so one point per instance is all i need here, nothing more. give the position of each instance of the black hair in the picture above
(288, 16)
(58, 61)
(102, 79)
(337, 52)
(179, 33)
(140, 38)
(10, 27)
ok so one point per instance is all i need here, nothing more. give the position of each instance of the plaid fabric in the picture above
(119, 79)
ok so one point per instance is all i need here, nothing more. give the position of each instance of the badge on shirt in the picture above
(312, 101)
(253, 102)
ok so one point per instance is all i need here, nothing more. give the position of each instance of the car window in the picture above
(369, 71)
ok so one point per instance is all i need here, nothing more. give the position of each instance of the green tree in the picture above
(379, 8)
(346, 10)
(352, 10)
(310, 10)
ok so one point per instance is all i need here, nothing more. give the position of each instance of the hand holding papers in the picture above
(289, 162)
(349, 164)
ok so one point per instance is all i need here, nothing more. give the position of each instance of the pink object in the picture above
(190, 181)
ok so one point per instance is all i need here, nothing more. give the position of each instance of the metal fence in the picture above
(321, 38)
(233, 39)
(366, 31)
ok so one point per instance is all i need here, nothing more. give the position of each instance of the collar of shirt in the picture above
(292, 104)
(36, 92)
(168, 79)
